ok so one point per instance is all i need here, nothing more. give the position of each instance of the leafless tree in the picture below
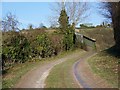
(10, 23)
(113, 13)
(75, 10)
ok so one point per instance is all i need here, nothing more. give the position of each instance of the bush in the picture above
(21, 48)
(15, 49)
(44, 48)
(32, 34)
(56, 40)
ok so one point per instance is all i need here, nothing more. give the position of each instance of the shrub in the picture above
(44, 47)
(31, 35)
(21, 48)
(56, 40)
(16, 48)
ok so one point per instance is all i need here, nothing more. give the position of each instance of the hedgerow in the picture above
(16, 48)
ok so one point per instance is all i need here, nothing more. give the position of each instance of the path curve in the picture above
(36, 77)
(84, 75)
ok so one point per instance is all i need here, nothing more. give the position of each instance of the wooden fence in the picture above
(85, 42)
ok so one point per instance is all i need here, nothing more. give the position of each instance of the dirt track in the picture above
(36, 77)
(81, 71)
(84, 75)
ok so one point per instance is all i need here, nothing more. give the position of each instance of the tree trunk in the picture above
(116, 23)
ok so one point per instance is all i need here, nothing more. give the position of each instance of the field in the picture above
(103, 36)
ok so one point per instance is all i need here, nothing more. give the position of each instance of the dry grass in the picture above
(106, 66)
(104, 37)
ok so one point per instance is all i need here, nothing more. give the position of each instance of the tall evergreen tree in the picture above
(63, 21)
(66, 30)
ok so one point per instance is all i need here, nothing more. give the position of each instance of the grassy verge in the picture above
(13, 75)
(106, 66)
(61, 75)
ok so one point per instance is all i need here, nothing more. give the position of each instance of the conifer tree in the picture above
(63, 21)
(67, 30)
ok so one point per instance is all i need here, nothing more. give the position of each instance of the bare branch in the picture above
(10, 22)
(75, 10)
